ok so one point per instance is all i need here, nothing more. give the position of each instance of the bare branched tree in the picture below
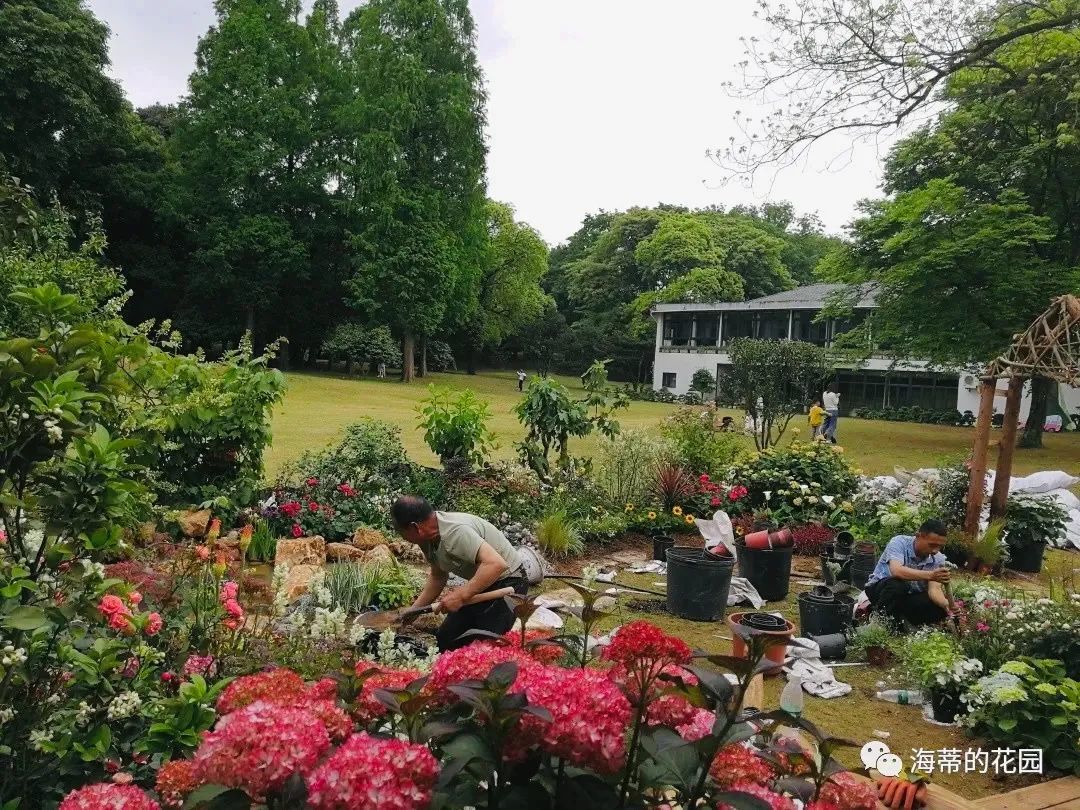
(865, 67)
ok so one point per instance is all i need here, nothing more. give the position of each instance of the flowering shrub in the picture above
(796, 474)
(367, 708)
(108, 797)
(367, 773)
(1029, 703)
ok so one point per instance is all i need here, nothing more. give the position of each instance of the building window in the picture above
(667, 379)
(806, 329)
(737, 325)
(772, 325)
(707, 330)
(678, 330)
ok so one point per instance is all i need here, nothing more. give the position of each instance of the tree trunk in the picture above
(1040, 403)
(980, 446)
(423, 357)
(470, 360)
(348, 366)
(249, 322)
(408, 356)
(1006, 445)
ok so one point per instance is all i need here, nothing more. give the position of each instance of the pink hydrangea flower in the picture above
(849, 793)
(108, 797)
(737, 763)
(367, 708)
(367, 773)
(773, 800)
(473, 661)
(258, 748)
(697, 726)
(278, 686)
(198, 665)
(175, 781)
(232, 607)
(229, 590)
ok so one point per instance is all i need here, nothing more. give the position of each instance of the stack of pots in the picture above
(660, 544)
(697, 583)
(824, 613)
(765, 560)
(836, 561)
(766, 624)
(863, 562)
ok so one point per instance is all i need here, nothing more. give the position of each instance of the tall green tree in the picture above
(414, 165)
(60, 114)
(256, 173)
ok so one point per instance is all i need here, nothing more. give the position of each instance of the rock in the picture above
(380, 555)
(343, 551)
(300, 551)
(229, 541)
(298, 580)
(366, 538)
(194, 523)
(406, 552)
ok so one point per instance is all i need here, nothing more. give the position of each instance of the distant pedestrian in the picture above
(382, 371)
(816, 419)
(831, 401)
(521, 377)
(727, 425)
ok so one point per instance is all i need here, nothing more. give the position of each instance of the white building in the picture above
(693, 336)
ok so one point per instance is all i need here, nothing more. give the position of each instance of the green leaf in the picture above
(217, 797)
(1007, 723)
(740, 801)
(25, 617)
(586, 790)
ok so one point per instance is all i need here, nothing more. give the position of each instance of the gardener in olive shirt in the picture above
(470, 547)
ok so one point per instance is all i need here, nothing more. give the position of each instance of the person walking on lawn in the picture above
(906, 585)
(816, 419)
(471, 548)
(831, 400)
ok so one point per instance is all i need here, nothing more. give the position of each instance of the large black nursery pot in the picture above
(1027, 557)
(945, 705)
(660, 544)
(697, 583)
(767, 569)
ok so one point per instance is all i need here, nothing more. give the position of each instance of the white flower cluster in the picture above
(389, 653)
(326, 623)
(6, 714)
(277, 583)
(56, 433)
(84, 713)
(318, 588)
(11, 655)
(93, 569)
(38, 738)
(123, 705)
(961, 672)
(148, 655)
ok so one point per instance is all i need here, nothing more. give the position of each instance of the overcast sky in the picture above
(592, 103)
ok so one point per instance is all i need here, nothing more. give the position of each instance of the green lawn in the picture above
(318, 406)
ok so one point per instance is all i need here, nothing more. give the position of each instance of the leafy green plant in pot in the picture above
(1030, 524)
(988, 549)
(935, 663)
(873, 642)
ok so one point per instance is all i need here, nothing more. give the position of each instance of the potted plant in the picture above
(934, 662)
(957, 549)
(873, 642)
(988, 549)
(1030, 524)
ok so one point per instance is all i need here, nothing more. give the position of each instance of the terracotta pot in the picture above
(879, 656)
(776, 653)
(765, 539)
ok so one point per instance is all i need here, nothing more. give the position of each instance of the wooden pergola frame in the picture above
(1049, 348)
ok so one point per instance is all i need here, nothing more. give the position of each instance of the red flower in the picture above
(258, 748)
(111, 604)
(108, 797)
(199, 665)
(290, 508)
(326, 689)
(589, 717)
(698, 726)
(346, 490)
(367, 708)
(229, 590)
(714, 501)
(367, 773)
(153, 624)
(338, 725)
(544, 653)
(135, 597)
(737, 763)
(641, 641)
(297, 531)
(703, 478)
(849, 793)
(774, 801)
(167, 676)
(131, 668)
(275, 686)
(120, 621)
(312, 482)
(313, 506)
(473, 661)
(232, 607)
(231, 624)
(175, 781)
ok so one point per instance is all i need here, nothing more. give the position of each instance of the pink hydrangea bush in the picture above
(366, 708)
(259, 747)
(107, 796)
(369, 773)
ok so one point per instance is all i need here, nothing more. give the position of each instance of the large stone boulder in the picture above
(339, 552)
(298, 580)
(407, 552)
(193, 523)
(380, 555)
(300, 551)
(367, 538)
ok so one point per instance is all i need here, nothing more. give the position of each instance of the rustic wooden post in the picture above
(977, 484)
(1006, 447)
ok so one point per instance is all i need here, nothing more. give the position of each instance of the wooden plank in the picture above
(1059, 794)
(940, 798)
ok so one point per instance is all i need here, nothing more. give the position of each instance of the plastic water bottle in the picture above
(905, 697)
(791, 698)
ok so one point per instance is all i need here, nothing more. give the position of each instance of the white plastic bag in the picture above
(717, 532)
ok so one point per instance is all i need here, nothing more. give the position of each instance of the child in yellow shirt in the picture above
(816, 419)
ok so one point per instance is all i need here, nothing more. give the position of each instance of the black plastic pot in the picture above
(823, 613)
(863, 562)
(832, 647)
(697, 583)
(768, 569)
(844, 542)
(1027, 557)
(945, 706)
(660, 544)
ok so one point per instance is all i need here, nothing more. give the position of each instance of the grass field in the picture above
(318, 406)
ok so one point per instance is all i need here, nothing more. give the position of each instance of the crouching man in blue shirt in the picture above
(907, 583)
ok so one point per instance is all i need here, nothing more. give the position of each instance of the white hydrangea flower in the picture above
(123, 705)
